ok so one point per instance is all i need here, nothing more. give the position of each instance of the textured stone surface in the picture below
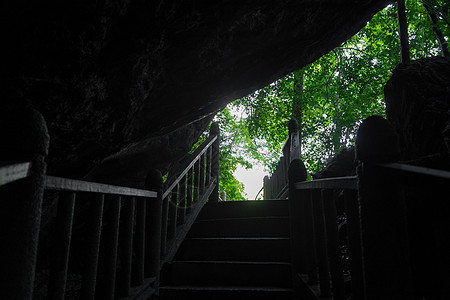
(342, 164)
(418, 103)
(110, 74)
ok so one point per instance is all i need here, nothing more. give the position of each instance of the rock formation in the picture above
(418, 104)
(120, 78)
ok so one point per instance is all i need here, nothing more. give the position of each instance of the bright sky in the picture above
(252, 179)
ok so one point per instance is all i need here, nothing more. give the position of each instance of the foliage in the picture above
(232, 133)
(339, 89)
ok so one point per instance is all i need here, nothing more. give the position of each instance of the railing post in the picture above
(266, 187)
(297, 173)
(139, 242)
(196, 182)
(354, 243)
(189, 193)
(182, 201)
(94, 231)
(126, 244)
(294, 141)
(321, 243)
(63, 235)
(154, 182)
(385, 250)
(214, 130)
(24, 138)
(109, 249)
(334, 246)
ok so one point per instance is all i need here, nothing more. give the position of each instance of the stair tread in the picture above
(233, 262)
(242, 218)
(228, 287)
(250, 208)
(239, 238)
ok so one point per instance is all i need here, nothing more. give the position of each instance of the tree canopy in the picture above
(329, 97)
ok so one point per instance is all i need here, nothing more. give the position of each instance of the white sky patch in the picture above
(252, 179)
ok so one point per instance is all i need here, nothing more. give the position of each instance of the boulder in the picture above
(417, 105)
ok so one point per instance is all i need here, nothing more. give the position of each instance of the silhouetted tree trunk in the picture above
(297, 101)
(437, 31)
(403, 31)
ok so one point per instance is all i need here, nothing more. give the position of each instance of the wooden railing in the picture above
(129, 233)
(121, 203)
(276, 186)
(188, 191)
(374, 206)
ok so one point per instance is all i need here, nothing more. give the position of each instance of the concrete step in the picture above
(241, 227)
(220, 273)
(244, 209)
(226, 293)
(234, 249)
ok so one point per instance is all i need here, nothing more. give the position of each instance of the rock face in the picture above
(418, 106)
(342, 164)
(111, 76)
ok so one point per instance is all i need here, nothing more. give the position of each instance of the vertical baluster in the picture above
(334, 247)
(164, 224)
(310, 237)
(202, 174)
(182, 201)
(172, 228)
(138, 263)
(283, 172)
(63, 235)
(214, 131)
(106, 286)
(280, 170)
(297, 173)
(126, 243)
(266, 188)
(208, 166)
(154, 182)
(189, 190)
(271, 196)
(354, 243)
(196, 181)
(276, 182)
(321, 244)
(92, 248)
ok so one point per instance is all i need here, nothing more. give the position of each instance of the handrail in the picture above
(198, 153)
(72, 185)
(10, 172)
(350, 182)
(428, 172)
(276, 185)
(147, 226)
(379, 206)
(16, 171)
(185, 196)
(347, 182)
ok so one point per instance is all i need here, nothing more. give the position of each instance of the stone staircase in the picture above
(235, 250)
